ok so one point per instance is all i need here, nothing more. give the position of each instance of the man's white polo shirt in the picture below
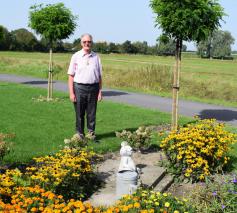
(86, 68)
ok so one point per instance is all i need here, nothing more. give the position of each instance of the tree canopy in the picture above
(54, 22)
(187, 20)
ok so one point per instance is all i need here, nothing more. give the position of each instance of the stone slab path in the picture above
(152, 176)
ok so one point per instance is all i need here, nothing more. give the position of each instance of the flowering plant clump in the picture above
(63, 172)
(37, 199)
(8, 181)
(198, 149)
(150, 201)
(4, 146)
(217, 196)
(138, 139)
(75, 142)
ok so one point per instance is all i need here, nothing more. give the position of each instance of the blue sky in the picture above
(108, 20)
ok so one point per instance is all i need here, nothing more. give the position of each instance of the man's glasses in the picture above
(84, 42)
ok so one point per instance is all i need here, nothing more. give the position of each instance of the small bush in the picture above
(198, 149)
(138, 139)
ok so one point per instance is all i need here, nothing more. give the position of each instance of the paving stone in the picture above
(164, 184)
(151, 175)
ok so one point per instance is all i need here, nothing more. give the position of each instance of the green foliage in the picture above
(139, 139)
(23, 40)
(198, 149)
(127, 47)
(101, 47)
(6, 39)
(187, 19)
(54, 22)
(218, 44)
(1, 33)
(216, 196)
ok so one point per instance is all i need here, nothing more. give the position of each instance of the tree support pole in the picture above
(50, 77)
(176, 75)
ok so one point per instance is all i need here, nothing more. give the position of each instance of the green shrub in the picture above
(139, 139)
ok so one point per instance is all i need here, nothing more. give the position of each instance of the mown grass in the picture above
(210, 81)
(41, 127)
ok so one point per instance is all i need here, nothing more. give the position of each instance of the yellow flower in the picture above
(137, 205)
(167, 204)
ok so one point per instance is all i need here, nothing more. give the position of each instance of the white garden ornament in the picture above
(126, 163)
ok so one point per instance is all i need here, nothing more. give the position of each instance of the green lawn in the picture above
(41, 127)
(204, 80)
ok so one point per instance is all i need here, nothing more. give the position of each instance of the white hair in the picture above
(86, 34)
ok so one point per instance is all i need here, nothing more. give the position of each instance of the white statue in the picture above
(126, 163)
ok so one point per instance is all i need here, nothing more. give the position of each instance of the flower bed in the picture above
(216, 196)
(37, 199)
(149, 201)
(198, 149)
(68, 172)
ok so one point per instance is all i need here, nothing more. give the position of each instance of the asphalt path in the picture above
(186, 108)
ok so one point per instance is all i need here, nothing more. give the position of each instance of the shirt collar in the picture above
(82, 53)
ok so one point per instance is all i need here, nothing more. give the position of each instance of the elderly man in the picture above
(85, 83)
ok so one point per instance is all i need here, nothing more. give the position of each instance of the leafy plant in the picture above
(138, 139)
(198, 149)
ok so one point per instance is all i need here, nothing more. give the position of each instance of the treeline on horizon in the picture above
(24, 40)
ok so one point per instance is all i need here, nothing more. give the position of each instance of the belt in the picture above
(93, 84)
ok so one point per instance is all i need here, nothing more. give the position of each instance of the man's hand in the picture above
(73, 97)
(99, 96)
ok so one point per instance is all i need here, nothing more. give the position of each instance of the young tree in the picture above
(53, 22)
(185, 20)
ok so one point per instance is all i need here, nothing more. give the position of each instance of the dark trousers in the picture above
(86, 104)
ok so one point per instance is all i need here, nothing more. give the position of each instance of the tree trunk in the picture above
(50, 76)
(176, 84)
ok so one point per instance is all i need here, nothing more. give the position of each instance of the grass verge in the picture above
(41, 127)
